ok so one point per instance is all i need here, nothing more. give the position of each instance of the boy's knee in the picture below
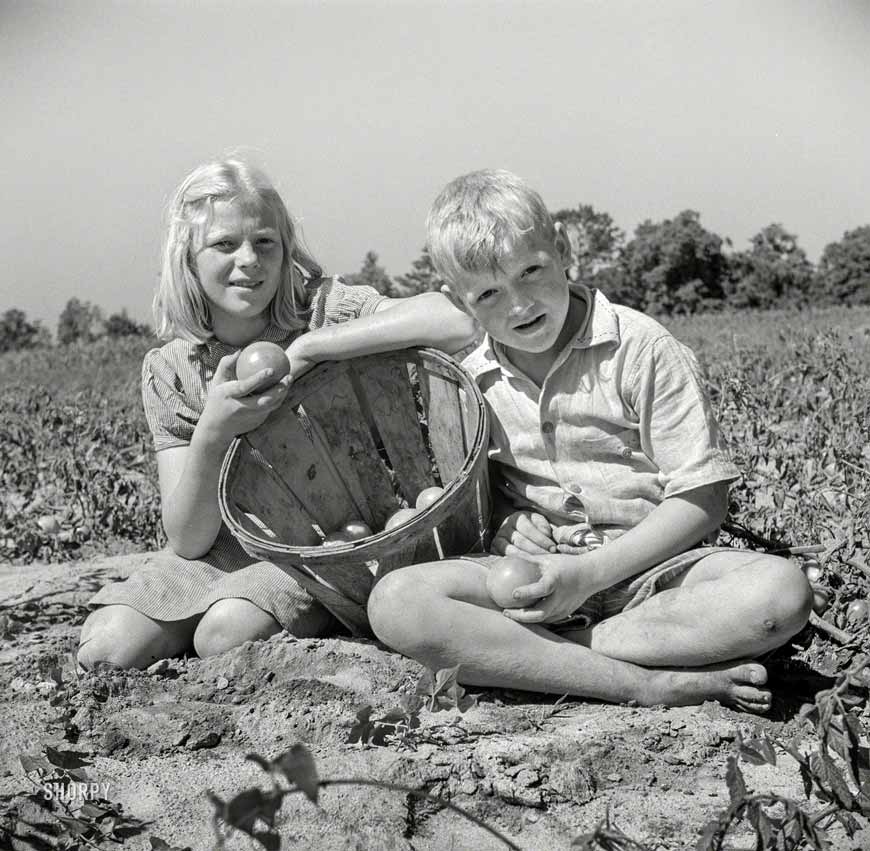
(789, 595)
(394, 609)
(229, 623)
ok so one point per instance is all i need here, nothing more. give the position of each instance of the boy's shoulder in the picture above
(609, 324)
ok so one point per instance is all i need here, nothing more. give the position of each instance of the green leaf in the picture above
(298, 767)
(65, 759)
(34, 763)
(735, 782)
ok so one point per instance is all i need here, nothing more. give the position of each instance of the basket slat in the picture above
(338, 419)
(306, 471)
(390, 399)
(446, 431)
(258, 490)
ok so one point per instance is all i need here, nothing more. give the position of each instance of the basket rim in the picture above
(355, 551)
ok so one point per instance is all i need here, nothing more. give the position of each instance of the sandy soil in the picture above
(160, 739)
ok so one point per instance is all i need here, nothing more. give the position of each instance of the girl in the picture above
(234, 271)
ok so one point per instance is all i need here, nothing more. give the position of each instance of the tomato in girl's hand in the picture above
(508, 574)
(403, 515)
(262, 355)
(857, 612)
(427, 496)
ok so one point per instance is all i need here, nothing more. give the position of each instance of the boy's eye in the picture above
(530, 270)
(485, 296)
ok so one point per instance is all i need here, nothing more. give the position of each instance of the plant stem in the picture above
(395, 787)
(830, 629)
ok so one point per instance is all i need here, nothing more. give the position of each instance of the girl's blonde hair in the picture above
(180, 306)
(478, 218)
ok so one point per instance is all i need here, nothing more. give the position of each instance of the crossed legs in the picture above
(677, 648)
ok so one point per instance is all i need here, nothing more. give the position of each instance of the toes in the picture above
(751, 699)
(752, 672)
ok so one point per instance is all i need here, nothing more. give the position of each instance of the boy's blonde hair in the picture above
(180, 306)
(478, 218)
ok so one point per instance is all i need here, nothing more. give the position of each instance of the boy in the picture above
(599, 422)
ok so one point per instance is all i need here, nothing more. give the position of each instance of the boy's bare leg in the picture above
(729, 605)
(441, 615)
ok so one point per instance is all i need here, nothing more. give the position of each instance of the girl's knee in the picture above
(124, 638)
(229, 623)
(397, 609)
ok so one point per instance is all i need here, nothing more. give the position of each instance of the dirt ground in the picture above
(158, 740)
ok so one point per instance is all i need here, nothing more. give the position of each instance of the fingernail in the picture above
(551, 549)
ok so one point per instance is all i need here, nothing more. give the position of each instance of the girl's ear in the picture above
(563, 244)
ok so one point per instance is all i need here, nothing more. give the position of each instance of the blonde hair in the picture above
(180, 306)
(478, 218)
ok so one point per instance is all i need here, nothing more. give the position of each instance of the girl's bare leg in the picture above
(120, 636)
(441, 615)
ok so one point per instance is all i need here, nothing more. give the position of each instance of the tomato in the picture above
(813, 572)
(335, 539)
(355, 530)
(508, 574)
(427, 496)
(262, 355)
(857, 612)
(403, 515)
(821, 599)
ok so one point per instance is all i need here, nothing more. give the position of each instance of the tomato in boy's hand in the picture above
(262, 355)
(427, 496)
(508, 574)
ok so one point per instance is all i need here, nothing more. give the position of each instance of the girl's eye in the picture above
(222, 244)
(266, 242)
(530, 270)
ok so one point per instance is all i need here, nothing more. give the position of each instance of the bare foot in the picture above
(732, 684)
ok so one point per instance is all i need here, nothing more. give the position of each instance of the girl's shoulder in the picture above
(334, 300)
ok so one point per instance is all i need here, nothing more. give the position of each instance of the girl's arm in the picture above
(428, 319)
(189, 474)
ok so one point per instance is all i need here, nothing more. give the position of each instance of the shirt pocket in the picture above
(617, 447)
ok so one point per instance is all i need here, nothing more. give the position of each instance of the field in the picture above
(792, 392)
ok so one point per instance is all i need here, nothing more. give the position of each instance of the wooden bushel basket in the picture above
(352, 439)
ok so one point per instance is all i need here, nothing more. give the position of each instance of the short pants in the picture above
(623, 595)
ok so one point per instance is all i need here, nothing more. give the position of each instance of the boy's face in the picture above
(525, 306)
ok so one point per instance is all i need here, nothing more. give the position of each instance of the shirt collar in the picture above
(600, 326)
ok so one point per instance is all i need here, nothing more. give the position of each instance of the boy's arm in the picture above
(672, 527)
(427, 319)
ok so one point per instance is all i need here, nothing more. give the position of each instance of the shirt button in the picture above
(626, 452)
(547, 427)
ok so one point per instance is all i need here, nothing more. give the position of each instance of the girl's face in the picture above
(239, 268)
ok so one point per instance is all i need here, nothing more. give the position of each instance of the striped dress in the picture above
(175, 383)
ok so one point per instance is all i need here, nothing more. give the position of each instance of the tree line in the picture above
(675, 266)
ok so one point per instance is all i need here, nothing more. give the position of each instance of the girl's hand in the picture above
(565, 584)
(233, 406)
(300, 361)
(524, 532)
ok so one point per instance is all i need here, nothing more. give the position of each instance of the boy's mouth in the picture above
(531, 325)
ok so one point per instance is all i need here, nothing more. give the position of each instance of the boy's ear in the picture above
(563, 244)
(453, 299)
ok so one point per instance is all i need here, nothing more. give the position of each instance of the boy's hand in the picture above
(565, 584)
(524, 532)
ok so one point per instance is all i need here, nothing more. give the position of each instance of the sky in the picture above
(749, 112)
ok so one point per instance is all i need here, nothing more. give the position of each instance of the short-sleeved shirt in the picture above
(176, 377)
(621, 422)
